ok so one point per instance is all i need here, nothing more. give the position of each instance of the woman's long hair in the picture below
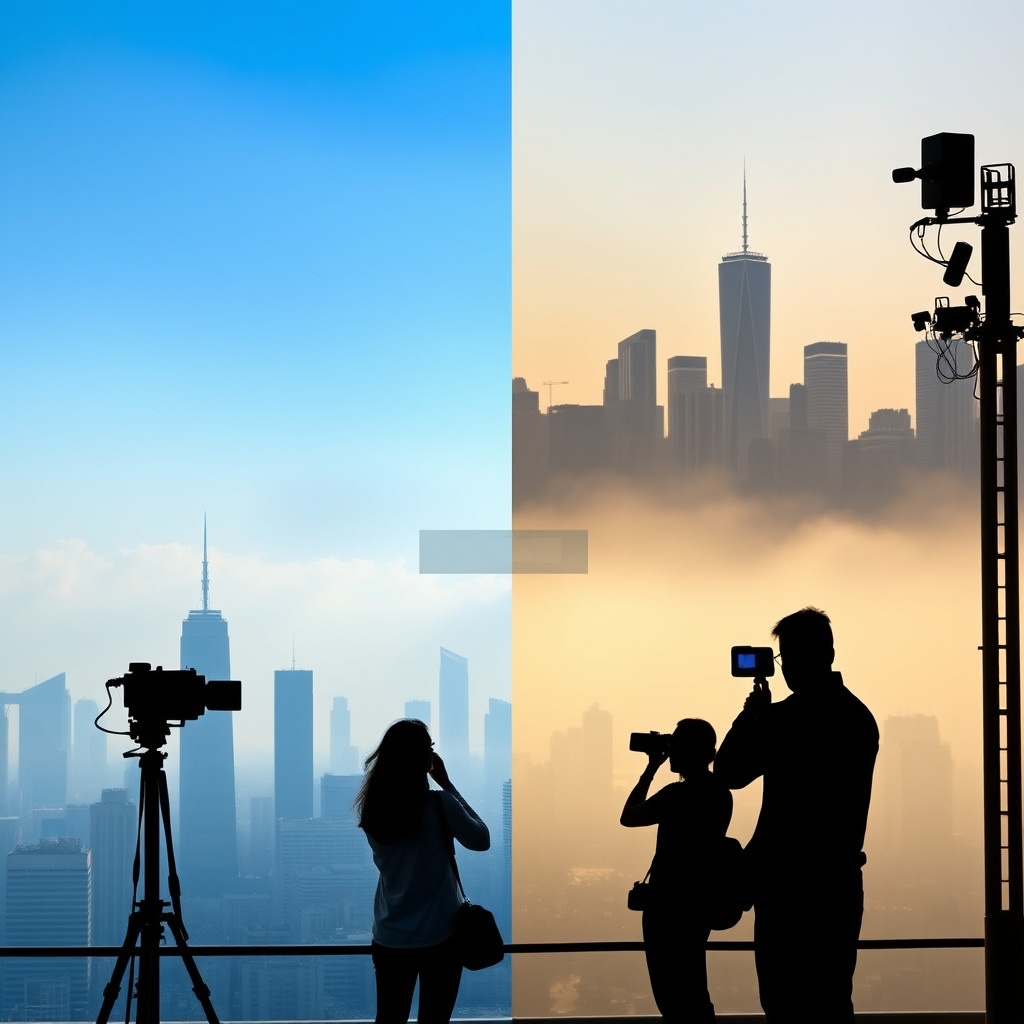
(391, 799)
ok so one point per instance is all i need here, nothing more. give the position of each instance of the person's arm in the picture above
(465, 823)
(741, 754)
(638, 810)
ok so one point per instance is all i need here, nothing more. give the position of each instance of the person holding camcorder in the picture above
(692, 816)
(815, 750)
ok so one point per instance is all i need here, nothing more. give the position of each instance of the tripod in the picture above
(147, 919)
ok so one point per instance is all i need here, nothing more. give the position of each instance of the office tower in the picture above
(881, 455)
(529, 443)
(744, 312)
(44, 743)
(293, 743)
(778, 417)
(947, 423)
(337, 801)
(88, 753)
(344, 756)
(610, 392)
(497, 750)
(578, 440)
(419, 709)
(825, 381)
(113, 827)
(798, 406)
(307, 891)
(48, 904)
(207, 843)
(695, 415)
(453, 715)
(635, 419)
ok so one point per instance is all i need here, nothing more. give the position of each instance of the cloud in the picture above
(369, 630)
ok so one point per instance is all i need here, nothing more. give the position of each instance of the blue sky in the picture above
(255, 261)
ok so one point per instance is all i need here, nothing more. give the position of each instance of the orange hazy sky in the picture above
(631, 125)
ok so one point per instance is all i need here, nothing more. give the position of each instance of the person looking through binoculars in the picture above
(692, 816)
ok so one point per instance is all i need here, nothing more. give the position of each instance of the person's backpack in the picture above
(729, 889)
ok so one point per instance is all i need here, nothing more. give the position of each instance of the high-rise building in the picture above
(344, 756)
(827, 389)
(744, 311)
(88, 754)
(497, 750)
(44, 744)
(947, 423)
(419, 709)
(337, 801)
(208, 841)
(49, 902)
(878, 459)
(635, 420)
(529, 443)
(695, 415)
(293, 743)
(578, 439)
(113, 828)
(453, 714)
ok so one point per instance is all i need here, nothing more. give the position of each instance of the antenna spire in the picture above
(206, 571)
(745, 246)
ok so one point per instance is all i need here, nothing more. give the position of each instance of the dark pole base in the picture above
(1004, 968)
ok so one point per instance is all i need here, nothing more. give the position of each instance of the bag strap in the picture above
(449, 842)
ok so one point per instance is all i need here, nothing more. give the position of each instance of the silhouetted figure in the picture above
(816, 750)
(692, 816)
(417, 900)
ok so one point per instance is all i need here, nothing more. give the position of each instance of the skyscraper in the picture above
(497, 751)
(695, 421)
(293, 743)
(825, 380)
(744, 311)
(48, 904)
(344, 756)
(947, 424)
(113, 828)
(419, 709)
(636, 421)
(88, 754)
(208, 843)
(453, 714)
(44, 743)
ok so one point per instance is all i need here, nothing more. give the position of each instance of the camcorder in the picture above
(157, 698)
(756, 662)
(650, 742)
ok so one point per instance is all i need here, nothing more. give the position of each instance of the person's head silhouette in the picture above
(391, 799)
(805, 647)
(693, 747)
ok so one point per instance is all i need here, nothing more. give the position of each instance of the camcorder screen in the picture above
(753, 661)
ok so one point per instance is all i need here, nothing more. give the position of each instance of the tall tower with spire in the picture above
(744, 310)
(207, 840)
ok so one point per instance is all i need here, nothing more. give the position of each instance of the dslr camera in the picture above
(650, 742)
(757, 662)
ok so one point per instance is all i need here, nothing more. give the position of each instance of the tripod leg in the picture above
(199, 986)
(113, 987)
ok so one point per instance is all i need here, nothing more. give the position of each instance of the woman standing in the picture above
(417, 900)
(692, 816)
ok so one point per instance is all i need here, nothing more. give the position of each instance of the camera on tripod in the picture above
(155, 697)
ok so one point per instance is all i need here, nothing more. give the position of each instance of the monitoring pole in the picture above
(947, 176)
(1000, 611)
